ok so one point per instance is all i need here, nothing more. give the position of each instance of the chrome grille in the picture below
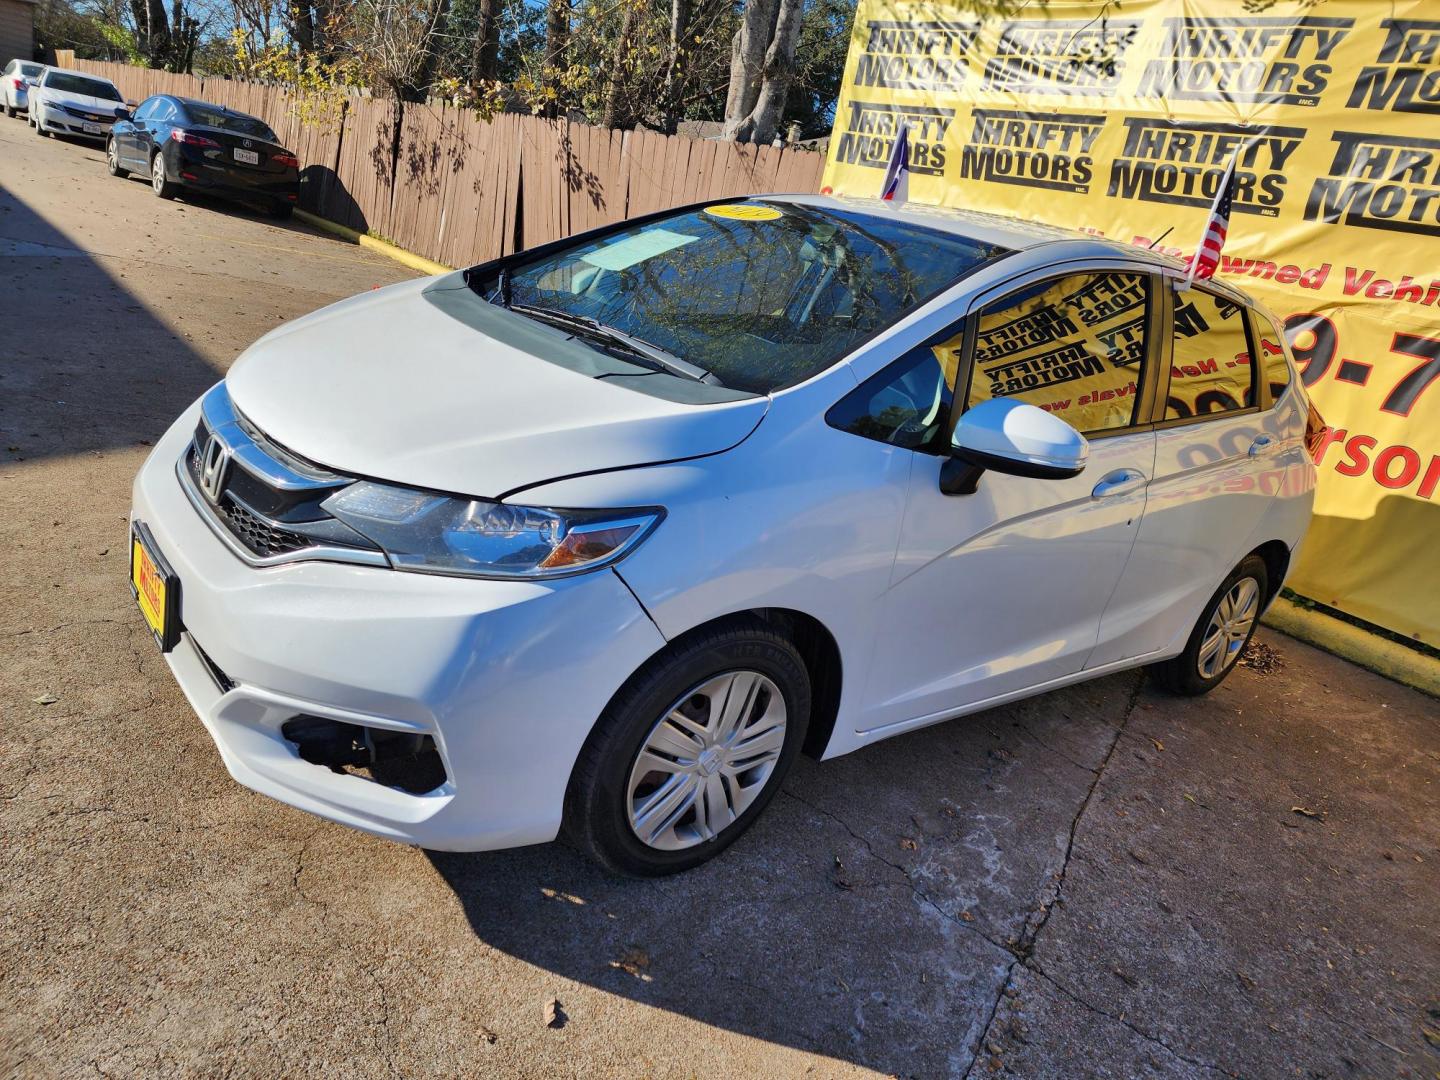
(256, 497)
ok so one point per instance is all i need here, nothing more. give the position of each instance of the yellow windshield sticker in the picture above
(743, 211)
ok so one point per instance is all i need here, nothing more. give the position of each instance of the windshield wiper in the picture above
(660, 359)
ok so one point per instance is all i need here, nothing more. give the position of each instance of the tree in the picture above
(671, 97)
(552, 63)
(762, 67)
(166, 42)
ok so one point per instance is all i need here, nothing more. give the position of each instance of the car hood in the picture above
(394, 385)
(103, 106)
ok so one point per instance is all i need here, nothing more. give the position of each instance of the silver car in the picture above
(15, 83)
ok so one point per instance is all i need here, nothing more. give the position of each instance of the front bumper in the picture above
(507, 677)
(63, 123)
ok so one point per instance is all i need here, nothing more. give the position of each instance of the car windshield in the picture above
(236, 122)
(760, 295)
(78, 84)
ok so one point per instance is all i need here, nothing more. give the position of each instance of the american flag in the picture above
(1206, 259)
(896, 185)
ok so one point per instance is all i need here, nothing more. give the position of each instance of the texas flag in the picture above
(1206, 259)
(896, 185)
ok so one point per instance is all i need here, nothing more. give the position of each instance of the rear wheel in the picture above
(1224, 629)
(10, 111)
(159, 183)
(690, 751)
(112, 160)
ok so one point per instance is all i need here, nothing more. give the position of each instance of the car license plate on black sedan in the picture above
(247, 157)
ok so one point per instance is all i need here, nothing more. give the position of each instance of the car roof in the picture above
(1016, 234)
(82, 74)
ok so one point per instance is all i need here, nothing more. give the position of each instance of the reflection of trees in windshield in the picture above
(763, 303)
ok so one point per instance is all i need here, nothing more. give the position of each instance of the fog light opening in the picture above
(400, 759)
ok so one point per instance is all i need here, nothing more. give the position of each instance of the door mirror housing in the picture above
(1015, 438)
(124, 114)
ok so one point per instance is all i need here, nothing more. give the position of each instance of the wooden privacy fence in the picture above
(457, 189)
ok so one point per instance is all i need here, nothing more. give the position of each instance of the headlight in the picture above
(438, 534)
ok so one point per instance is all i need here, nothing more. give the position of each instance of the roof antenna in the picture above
(1162, 236)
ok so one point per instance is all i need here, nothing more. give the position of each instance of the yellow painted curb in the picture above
(374, 243)
(1380, 655)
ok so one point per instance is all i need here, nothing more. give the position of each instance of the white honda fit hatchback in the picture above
(598, 537)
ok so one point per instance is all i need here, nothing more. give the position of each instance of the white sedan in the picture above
(598, 537)
(15, 85)
(74, 103)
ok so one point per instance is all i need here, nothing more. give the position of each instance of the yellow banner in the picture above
(1122, 119)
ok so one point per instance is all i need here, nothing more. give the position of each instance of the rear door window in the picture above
(1212, 371)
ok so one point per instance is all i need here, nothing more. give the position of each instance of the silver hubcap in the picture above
(110, 153)
(1229, 628)
(157, 172)
(705, 761)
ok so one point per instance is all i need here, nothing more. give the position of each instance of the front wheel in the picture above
(690, 751)
(1225, 628)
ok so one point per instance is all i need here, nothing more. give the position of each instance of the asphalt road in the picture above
(1100, 882)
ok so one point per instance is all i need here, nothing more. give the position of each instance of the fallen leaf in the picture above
(1158, 744)
(1305, 811)
(554, 1015)
(967, 917)
(908, 844)
(45, 699)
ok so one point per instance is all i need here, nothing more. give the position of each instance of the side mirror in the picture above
(1015, 438)
(124, 114)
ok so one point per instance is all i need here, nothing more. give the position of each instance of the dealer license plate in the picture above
(249, 157)
(156, 589)
(93, 129)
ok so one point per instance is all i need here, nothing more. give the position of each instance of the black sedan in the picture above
(186, 145)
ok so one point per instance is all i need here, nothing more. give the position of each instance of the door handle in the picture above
(1119, 482)
(1263, 444)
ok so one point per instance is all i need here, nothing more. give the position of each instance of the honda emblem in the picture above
(213, 459)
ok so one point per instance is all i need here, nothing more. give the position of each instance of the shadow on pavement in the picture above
(86, 365)
(867, 915)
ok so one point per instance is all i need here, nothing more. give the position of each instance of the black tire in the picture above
(10, 111)
(597, 802)
(1182, 674)
(112, 161)
(282, 211)
(159, 184)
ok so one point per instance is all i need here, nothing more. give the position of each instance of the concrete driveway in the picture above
(1100, 882)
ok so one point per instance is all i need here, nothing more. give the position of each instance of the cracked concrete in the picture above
(1099, 882)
